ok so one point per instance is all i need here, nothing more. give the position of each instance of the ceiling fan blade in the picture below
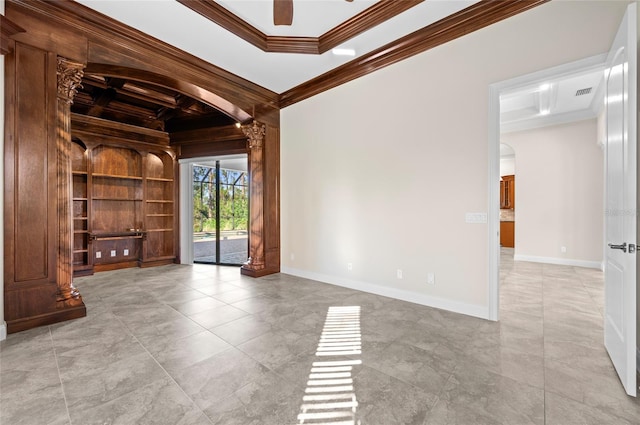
(282, 12)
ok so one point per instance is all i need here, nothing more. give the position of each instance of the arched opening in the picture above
(119, 109)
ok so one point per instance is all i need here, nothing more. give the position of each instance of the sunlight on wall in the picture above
(330, 397)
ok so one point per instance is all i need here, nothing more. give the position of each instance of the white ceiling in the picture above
(554, 101)
(181, 27)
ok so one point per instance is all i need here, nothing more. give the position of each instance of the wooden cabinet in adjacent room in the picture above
(123, 204)
(507, 234)
(508, 192)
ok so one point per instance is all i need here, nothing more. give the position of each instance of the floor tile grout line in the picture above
(64, 394)
(163, 369)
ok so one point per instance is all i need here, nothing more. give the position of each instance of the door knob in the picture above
(623, 247)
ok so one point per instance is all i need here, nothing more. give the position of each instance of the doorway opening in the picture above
(220, 212)
(509, 114)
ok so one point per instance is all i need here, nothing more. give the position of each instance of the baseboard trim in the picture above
(481, 312)
(3, 331)
(559, 261)
(50, 318)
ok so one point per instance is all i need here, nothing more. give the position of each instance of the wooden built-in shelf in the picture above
(111, 236)
(116, 199)
(115, 176)
(122, 188)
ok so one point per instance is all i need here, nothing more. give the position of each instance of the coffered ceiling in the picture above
(558, 100)
(242, 38)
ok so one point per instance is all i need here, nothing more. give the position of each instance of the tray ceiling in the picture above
(167, 20)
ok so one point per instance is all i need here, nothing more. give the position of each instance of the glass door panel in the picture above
(221, 212)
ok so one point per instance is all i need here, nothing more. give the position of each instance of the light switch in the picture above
(126, 252)
(476, 217)
(98, 254)
(113, 252)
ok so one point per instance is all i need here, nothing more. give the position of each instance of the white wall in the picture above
(366, 176)
(507, 166)
(3, 325)
(559, 194)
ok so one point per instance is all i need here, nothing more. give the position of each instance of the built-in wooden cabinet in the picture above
(508, 192)
(507, 234)
(124, 212)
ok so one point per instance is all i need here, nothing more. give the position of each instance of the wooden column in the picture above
(255, 135)
(69, 77)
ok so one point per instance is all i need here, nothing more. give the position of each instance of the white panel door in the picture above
(621, 208)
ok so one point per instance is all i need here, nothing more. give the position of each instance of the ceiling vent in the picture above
(583, 91)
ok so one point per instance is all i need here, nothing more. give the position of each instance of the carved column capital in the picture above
(255, 134)
(69, 78)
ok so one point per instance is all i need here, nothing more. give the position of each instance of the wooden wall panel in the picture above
(31, 199)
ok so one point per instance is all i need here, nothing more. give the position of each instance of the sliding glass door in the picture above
(221, 212)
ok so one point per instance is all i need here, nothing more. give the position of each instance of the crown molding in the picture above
(7, 30)
(364, 21)
(473, 18)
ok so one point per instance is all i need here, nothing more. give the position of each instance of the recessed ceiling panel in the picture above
(311, 18)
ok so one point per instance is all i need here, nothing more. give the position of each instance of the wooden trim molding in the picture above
(7, 30)
(84, 124)
(473, 18)
(363, 21)
(208, 135)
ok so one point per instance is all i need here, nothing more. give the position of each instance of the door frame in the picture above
(493, 210)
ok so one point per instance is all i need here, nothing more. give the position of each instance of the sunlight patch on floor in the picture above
(330, 397)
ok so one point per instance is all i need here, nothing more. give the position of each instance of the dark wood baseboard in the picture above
(115, 266)
(154, 263)
(257, 273)
(62, 315)
(83, 272)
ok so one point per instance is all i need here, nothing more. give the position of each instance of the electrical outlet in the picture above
(431, 278)
(126, 252)
(563, 249)
(98, 254)
(113, 252)
(349, 266)
(399, 273)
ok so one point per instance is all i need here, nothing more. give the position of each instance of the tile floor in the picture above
(203, 345)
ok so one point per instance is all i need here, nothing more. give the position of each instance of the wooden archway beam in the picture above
(172, 83)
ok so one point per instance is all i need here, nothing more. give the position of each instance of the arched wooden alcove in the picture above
(61, 42)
